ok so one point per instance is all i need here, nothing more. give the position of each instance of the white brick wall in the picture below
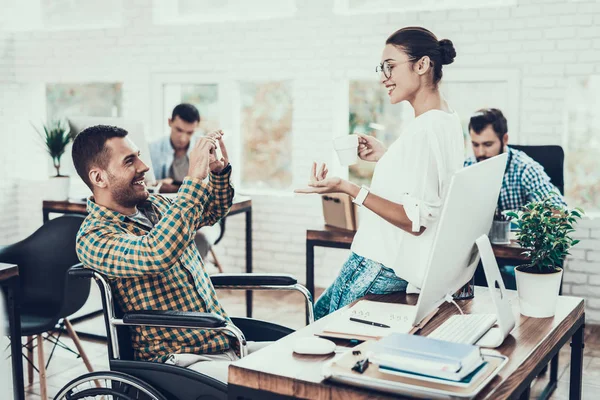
(548, 41)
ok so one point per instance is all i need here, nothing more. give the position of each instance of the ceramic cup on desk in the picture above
(346, 148)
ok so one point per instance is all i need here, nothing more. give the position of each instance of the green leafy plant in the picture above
(544, 231)
(55, 136)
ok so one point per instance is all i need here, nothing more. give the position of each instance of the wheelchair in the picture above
(144, 380)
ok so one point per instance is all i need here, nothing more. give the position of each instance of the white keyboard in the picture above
(468, 328)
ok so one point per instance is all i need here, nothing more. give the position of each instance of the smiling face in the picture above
(122, 181)
(404, 78)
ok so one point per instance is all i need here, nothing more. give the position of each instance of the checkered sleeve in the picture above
(537, 185)
(119, 254)
(470, 161)
(221, 198)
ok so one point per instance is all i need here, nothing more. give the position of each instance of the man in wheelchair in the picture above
(144, 244)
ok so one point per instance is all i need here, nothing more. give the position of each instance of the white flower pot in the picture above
(58, 188)
(538, 293)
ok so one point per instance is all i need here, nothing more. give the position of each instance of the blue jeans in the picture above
(359, 276)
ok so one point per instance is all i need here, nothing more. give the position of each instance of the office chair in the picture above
(129, 378)
(207, 238)
(48, 294)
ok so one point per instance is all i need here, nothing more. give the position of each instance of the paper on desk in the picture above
(399, 317)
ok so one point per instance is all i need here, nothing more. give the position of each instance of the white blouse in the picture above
(415, 172)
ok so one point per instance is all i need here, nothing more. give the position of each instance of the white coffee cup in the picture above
(346, 148)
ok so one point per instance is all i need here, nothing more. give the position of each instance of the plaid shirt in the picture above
(160, 268)
(524, 180)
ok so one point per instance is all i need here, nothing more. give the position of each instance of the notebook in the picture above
(465, 382)
(426, 356)
(399, 318)
(339, 369)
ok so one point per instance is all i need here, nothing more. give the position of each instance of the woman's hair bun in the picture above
(447, 51)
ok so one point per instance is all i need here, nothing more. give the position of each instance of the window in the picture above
(581, 143)
(24, 15)
(204, 96)
(194, 11)
(370, 112)
(83, 99)
(381, 6)
(266, 135)
(470, 90)
(81, 14)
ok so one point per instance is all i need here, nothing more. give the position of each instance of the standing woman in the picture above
(397, 229)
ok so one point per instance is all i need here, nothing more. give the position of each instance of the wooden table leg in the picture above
(14, 316)
(249, 260)
(310, 271)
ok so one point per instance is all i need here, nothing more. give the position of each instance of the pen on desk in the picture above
(362, 321)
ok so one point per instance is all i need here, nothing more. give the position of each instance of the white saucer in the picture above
(313, 346)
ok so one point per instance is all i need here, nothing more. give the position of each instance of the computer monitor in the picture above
(466, 215)
(134, 128)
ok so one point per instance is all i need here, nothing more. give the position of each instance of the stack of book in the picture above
(427, 359)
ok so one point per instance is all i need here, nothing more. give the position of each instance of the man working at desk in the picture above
(170, 161)
(144, 243)
(170, 154)
(524, 179)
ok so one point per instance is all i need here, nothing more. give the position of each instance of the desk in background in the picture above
(241, 204)
(9, 277)
(275, 372)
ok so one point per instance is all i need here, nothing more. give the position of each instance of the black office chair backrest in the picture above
(552, 158)
(44, 259)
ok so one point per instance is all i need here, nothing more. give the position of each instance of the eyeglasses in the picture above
(386, 68)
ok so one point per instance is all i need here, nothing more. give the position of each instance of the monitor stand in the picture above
(505, 318)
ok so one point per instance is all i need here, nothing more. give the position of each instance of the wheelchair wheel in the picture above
(108, 385)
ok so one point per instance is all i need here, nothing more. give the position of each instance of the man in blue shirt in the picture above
(169, 154)
(170, 161)
(524, 179)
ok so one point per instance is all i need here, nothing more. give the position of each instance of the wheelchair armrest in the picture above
(253, 280)
(184, 319)
(177, 318)
(79, 271)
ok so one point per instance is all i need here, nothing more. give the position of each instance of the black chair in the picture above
(158, 381)
(48, 293)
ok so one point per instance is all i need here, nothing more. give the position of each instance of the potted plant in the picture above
(544, 230)
(55, 137)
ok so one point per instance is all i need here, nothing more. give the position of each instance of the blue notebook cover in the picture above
(427, 356)
(464, 382)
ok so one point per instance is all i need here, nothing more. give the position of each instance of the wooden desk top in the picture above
(277, 369)
(240, 204)
(7, 271)
(343, 236)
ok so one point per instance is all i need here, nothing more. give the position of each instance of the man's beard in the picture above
(479, 159)
(125, 193)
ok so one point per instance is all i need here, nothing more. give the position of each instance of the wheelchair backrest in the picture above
(118, 336)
